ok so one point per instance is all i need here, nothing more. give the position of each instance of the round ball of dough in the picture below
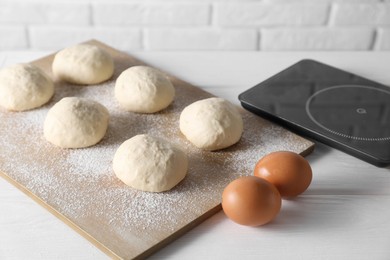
(24, 86)
(211, 124)
(144, 89)
(75, 123)
(83, 64)
(150, 164)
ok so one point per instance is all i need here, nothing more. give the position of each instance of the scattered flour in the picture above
(80, 183)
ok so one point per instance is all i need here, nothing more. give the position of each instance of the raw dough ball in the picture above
(76, 122)
(150, 164)
(144, 90)
(83, 64)
(24, 86)
(211, 124)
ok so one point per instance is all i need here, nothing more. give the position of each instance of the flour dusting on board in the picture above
(80, 183)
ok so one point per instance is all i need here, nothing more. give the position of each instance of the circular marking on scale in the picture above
(360, 110)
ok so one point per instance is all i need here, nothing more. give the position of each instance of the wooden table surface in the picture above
(345, 213)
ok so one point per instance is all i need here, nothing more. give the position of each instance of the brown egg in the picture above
(251, 201)
(288, 171)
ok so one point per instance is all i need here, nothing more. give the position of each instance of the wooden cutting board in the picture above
(79, 187)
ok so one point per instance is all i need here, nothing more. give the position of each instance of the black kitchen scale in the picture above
(338, 108)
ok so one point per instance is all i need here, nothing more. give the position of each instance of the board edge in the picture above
(60, 216)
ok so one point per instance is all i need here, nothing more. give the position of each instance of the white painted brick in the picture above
(320, 1)
(200, 39)
(316, 39)
(155, 1)
(260, 14)
(13, 38)
(361, 14)
(165, 1)
(151, 14)
(383, 39)
(22, 12)
(52, 38)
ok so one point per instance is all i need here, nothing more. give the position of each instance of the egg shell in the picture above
(251, 201)
(288, 171)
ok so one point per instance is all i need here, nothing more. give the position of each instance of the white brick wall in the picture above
(200, 39)
(317, 38)
(252, 25)
(54, 37)
(44, 12)
(13, 37)
(268, 14)
(372, 14)
(153, 14)
(383, 40)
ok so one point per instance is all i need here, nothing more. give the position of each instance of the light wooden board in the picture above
(79, 186)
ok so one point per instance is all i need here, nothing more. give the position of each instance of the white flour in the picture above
(80, 183)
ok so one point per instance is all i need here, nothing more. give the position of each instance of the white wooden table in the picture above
(345, 213)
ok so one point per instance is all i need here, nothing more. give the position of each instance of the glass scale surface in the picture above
(336, 107)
